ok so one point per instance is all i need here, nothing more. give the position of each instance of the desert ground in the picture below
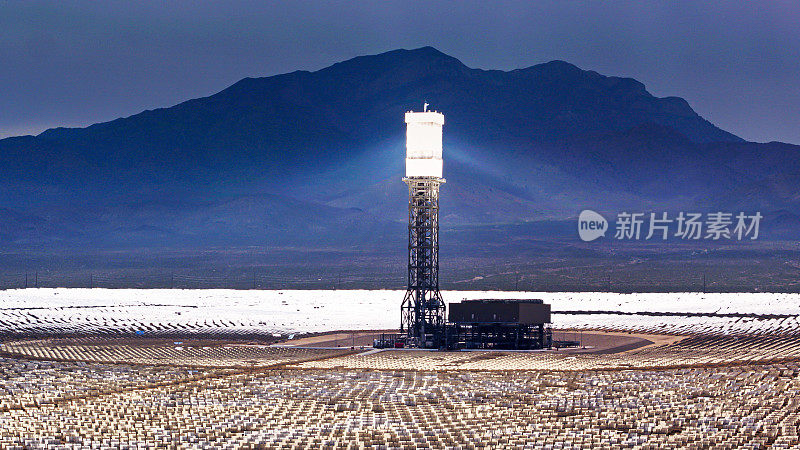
(652, 371)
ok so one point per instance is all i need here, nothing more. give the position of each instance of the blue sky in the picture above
(77, 63)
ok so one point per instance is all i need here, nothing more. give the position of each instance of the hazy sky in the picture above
(76, 63)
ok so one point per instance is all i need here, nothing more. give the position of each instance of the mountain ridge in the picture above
(559, 68)
(538, 143)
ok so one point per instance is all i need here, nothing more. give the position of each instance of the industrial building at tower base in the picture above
(498, 324)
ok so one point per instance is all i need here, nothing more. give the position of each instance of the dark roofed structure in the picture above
(510, 324)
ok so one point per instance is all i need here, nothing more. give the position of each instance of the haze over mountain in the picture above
(316, 158)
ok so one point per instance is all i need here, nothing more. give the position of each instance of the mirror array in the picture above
(731, 407)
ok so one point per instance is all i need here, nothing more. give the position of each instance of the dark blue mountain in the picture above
(316, 158)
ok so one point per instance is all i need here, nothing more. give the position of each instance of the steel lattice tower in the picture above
(423, 310)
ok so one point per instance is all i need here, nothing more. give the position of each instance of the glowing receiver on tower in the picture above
(424, 144)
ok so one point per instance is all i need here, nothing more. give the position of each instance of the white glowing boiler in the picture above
(424, 144)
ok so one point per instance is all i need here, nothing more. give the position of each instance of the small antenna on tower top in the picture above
(425, 107)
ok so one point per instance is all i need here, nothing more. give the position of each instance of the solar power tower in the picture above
(423, 310)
